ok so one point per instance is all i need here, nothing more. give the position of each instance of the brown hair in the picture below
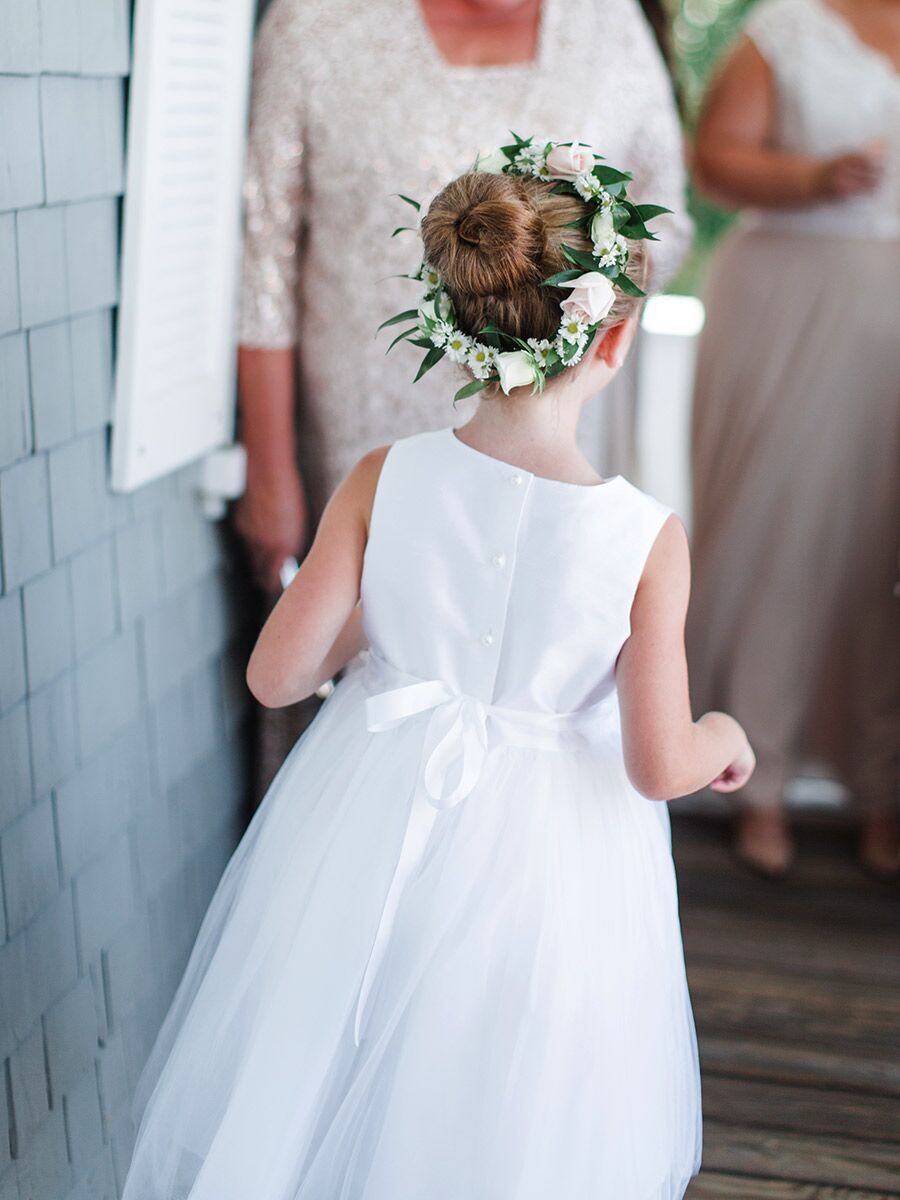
(494, 238)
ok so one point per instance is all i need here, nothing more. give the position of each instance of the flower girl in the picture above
(445, 961)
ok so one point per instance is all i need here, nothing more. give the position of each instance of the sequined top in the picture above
(351, 103)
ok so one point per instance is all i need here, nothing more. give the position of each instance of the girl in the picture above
(445, 962)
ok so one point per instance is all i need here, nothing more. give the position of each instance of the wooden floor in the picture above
(796, 991)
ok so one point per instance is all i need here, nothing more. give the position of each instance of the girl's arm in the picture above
(667, 753)
(735, 162)
(316, 627)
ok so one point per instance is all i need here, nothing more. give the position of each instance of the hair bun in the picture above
(488, 224)
(484, 235)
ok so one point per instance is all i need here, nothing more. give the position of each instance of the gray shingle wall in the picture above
(121, 729)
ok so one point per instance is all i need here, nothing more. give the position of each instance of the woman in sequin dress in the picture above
(399, 92)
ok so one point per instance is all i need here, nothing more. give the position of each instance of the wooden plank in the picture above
(718, 1185)
(837, 1161)
(785, 1062)
(810, 1110)
(824, 908)
(841, 1015)
(785, 946)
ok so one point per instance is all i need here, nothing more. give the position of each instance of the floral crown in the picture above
(611, 219)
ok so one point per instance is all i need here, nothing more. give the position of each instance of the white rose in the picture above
(516, 369)
(565, 162)
(428, 309)
(492, 163)
(603, 232)
(591, 298)
(427, 312)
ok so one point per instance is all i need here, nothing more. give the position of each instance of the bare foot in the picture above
(879, 845)
(763, 841)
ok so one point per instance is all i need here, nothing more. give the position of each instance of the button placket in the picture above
(499, 569)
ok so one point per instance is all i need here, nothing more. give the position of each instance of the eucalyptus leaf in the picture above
(431, 359)
(401, 337)
(472, 389)
(408, 200)
(404, 316)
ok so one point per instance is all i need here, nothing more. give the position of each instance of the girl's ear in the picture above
(614, 344)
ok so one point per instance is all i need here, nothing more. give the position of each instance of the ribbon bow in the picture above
(453, 752)
(456, 735)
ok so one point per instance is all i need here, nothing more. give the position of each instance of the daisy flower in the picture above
(481, 360)
(572, 330)
(429, 276)
(587, 186)
(570, 352)
(457, 346)
(441, 333)
(542, 348)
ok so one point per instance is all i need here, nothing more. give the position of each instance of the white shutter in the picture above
(186, 136)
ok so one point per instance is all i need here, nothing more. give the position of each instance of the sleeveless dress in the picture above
(445, 961)
(794, 624)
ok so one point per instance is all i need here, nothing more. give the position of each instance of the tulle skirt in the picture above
(529, 1034)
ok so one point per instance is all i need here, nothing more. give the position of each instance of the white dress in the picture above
(445, 962)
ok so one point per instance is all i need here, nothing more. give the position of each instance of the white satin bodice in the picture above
(508, 587)
(835, 95)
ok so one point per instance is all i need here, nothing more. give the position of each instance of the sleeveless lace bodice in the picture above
(352, 103)
(835, 94)
(507, 587)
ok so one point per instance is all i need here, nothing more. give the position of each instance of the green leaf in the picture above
(627, 285)
(492, 336)
(610, 175)
(472, 389)
(646, 212)
(424, 342)
(563, 188)
(431, 359)
(416, 205)
(400, 337)
(404, 316)
(561, 277)
(581, 258)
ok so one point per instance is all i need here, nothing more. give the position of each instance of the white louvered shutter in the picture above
(186, 136)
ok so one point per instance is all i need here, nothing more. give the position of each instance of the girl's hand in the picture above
(851, 174)
(738, 772)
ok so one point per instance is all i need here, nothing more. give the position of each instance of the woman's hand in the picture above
(851, 174)
(272, 518)
(738, 772)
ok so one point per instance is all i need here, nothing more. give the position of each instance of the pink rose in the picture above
(592, 297)
(565, 162)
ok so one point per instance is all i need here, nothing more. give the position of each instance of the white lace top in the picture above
(352, 102)
(835, 94)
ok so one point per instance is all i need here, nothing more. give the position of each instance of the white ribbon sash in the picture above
(454, 747)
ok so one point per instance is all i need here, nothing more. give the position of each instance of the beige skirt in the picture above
(794, 624)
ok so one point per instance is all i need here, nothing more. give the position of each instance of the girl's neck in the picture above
(539, 433)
